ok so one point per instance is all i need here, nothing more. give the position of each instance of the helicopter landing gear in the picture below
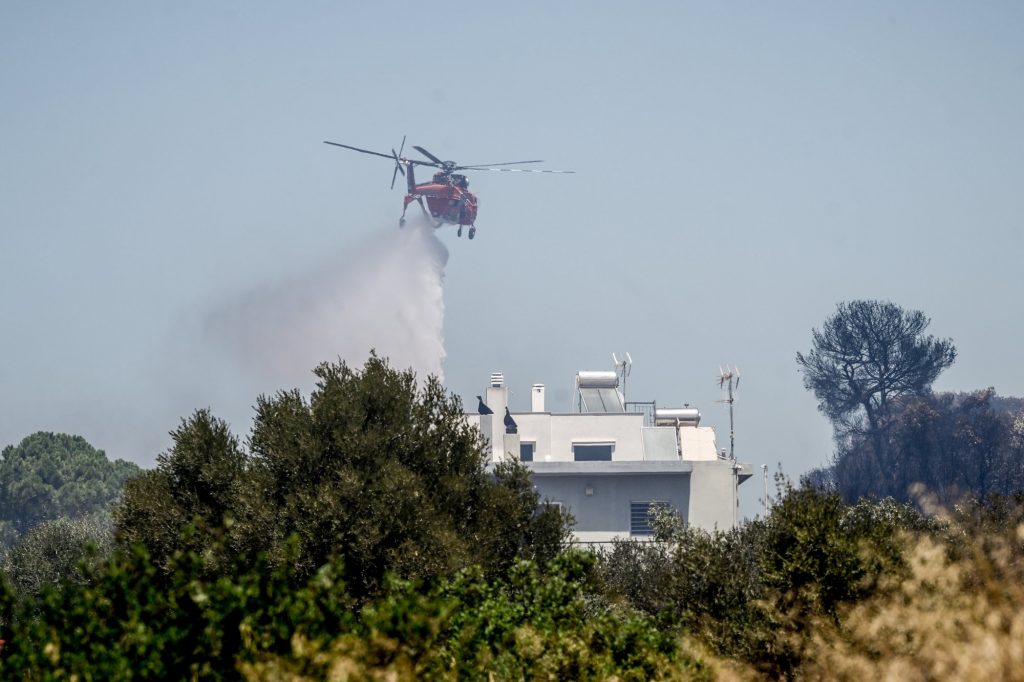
(472, 232)
(401, 221)
(459, 233)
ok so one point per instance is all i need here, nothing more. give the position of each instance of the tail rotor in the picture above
(398, 162)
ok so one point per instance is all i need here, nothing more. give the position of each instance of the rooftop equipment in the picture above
(598, 392)
(677, 416)
(729, 379)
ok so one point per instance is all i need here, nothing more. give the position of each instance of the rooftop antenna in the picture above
(764, 469)
(623, 367)
(729, 379)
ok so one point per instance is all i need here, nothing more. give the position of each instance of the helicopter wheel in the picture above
(459, 233)
(472, 232)
(401, 221)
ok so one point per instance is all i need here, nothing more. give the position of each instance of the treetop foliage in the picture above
(373, 469)
(53, 475)
(867, 354)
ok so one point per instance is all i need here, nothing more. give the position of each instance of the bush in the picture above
(55, 551)
(122, 623)
(756, 593)
(958, 613)
(533, 624)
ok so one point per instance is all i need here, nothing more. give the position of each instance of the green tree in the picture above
(53, 475)
(197, 485)
(867, 355)
(55, 551)
(372, 468)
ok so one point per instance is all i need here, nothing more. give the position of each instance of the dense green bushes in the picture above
(756, 593)
(800, 593)
(127, 624)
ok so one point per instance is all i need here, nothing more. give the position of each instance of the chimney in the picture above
(537, 398)
(497, 399)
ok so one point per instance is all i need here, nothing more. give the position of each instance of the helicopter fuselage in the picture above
(447, 195)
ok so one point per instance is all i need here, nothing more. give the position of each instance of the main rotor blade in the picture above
(364, 151)
(518, 170)
(472, 166)
(427, 154)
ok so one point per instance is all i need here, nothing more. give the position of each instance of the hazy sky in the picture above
(741, 168)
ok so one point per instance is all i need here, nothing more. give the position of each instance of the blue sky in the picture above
(741, 168)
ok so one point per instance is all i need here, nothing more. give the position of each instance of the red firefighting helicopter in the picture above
(447, 194)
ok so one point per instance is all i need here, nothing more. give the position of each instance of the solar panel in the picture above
(660, 443)
(601, 400)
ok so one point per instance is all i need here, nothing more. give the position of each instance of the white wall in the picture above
(535, 427)
(622, 429)
(713, 494)
(604, 515)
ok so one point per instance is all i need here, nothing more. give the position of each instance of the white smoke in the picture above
(384, 294)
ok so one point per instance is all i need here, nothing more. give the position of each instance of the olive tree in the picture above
(57, 550)
(373, 468)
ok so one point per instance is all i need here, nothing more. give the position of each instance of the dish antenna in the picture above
(729, 380)
(623, 367)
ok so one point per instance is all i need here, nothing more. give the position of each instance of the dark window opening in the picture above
(593, 452)
(526, 451)
(640, 517)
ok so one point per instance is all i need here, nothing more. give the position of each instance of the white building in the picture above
(608, 461)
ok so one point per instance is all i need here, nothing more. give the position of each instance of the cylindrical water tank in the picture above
(670, 416)
(597, 379)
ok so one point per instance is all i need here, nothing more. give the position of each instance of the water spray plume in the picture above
(384, 293)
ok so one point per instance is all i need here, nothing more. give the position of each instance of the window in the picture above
(640, 517)
(526, 450)
(593, 452)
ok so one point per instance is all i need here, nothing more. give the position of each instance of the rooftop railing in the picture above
(646, 408)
